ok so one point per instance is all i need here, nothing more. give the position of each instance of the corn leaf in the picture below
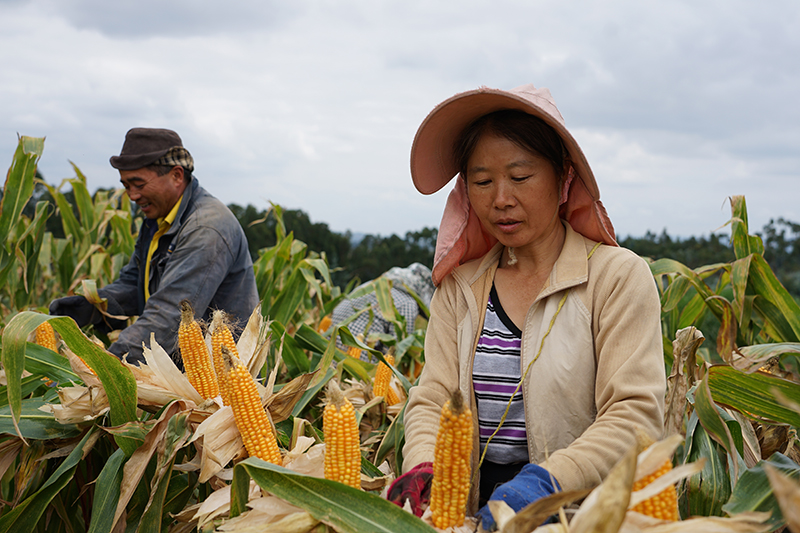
(34, 423)
(744, 244)
(755, 493)
(118, 382)
(19, 183)
(704, 493)
(288, 300)
(25, 516)
(45, 362)
(83, 201)
(106, 494)
(786, 315)
(753, 394)
(27, 386)
(344, 508)
(292, 353)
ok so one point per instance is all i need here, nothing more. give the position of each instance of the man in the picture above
(190, 246)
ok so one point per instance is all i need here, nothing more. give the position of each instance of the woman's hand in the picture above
(532, 483)
(414, 486)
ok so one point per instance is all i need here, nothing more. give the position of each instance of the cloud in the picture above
(677, 104)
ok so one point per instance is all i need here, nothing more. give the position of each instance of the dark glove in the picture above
(76, 307)
(531, 484)
(415, 486)
(85, 313)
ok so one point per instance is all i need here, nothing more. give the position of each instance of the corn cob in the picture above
(355, 351)
(195, 356)
(383, 375)
(324, 324)
(663, 505)
(342, 451)
(451, 464)
(391, 397)
(221, 336)
(251, 418)
(46, 336)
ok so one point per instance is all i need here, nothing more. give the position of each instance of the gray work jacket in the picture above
(203, 257)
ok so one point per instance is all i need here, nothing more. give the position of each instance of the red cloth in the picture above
(414, 486)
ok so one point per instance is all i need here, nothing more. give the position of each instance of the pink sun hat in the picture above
(461, 236)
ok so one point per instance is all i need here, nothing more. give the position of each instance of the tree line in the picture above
(364, 258)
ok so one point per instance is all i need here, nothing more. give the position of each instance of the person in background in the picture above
(415, 277)
(190, 247)
(548, 328)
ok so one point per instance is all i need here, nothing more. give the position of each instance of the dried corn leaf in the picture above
(750, 522)
(253, 522)
(219, 503)
(787, 491)
(652, 458)
(222, 442)
(281, 403)
(662, 482)
(684, 349)
(166, 375)
(78, 404)
(532, 516)
(604, 509)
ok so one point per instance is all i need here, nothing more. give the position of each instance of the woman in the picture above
(532, 288)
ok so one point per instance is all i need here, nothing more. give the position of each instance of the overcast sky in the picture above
(313, 104)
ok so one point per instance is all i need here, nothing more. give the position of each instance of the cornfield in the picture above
(89, 443)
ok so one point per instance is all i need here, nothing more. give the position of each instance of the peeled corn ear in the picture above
(194, 352)
(342, 446)
(251, 418)
(221, 336)
(451, 464)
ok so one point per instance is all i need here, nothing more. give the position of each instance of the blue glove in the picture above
(532, 483)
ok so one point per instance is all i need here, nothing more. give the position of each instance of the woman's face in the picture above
(514, 192)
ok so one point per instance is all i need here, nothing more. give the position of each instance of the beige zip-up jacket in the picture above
(601, 371)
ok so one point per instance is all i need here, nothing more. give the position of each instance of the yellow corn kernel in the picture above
(663, 505)
(221, 336)
(342, 445)
(194, 353)
(451, 464)
(46, 336)
(251, 418)
(383, 375)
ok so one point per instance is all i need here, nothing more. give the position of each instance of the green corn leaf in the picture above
(292, 353)
(787, 312)
(19, 182)
(753, 394)
(288, 300)
(714, 424)
(25, 516)
(744, 244)
(344, 508)
(704, 493)
(754, 492)
(118, 382)
(45, 362)
(106, 494)
(34, 423)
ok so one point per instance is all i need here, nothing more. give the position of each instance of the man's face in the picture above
(155, 195)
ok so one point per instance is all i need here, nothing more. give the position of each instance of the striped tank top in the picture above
(495, 374)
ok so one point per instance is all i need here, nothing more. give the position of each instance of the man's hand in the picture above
(531, 484)
(84, 313)
(76, 307)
